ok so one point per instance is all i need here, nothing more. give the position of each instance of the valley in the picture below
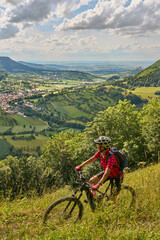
(43, 102)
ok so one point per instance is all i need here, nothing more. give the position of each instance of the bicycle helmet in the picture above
(103, 141)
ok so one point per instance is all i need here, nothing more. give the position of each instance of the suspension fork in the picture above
(90, 199)
(73, 195)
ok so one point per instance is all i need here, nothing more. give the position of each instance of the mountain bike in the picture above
(71, 208)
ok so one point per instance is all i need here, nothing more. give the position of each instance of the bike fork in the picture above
(74, 195)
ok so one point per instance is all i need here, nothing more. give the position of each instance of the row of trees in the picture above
(136, 133)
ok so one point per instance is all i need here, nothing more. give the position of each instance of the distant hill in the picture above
(53, 67)
(9, 65)
(39, 66)
(150, 76)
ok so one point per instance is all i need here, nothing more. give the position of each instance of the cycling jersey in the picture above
(111, 163)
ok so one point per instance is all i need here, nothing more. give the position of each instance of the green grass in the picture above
(146, 92)
(23, 124)
(70, 110)
(4, 147)
(4, 128)
(39, 141)
(22, 218)
(20, 120)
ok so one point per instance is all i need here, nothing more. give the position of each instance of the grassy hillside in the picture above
(148, 77)
(18, 123)
(82, 104)
(22, 218)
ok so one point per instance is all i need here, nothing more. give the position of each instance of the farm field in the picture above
(24, 124)
(146, 92)
(38, 141)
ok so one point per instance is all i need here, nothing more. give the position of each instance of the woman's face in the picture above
(99, 147)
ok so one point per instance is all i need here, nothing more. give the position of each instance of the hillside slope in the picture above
(12, 66)
(150, 76)
(22, 218)
(80, 105)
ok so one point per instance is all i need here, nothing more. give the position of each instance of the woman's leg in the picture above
(94, 180)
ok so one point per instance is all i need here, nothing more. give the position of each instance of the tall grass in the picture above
(22, 218)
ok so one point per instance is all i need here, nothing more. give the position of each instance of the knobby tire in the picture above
(66, 208)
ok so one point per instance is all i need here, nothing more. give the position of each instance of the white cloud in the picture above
(27, 28)
(65, 7)
(139, 17)
(8, 32)
(39, 10)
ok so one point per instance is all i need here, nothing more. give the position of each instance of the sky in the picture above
(80, 30)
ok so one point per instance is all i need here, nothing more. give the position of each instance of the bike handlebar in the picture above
(80, 176)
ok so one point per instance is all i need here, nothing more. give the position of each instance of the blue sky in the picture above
(80, 30)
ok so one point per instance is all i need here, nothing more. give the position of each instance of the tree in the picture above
(150, 124)
(57, 160)
(121, 123)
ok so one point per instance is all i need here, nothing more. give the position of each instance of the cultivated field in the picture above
(146, 92)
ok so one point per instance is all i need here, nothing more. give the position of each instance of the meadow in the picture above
(38, 141)
(22, 218)
(146, 92)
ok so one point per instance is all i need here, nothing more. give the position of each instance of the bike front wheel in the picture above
(68, 209)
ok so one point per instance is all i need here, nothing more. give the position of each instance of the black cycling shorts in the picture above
(117, 181)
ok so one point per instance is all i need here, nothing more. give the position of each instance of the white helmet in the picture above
(103, 141)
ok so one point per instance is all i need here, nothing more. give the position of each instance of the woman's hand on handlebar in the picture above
(78, 168)
(95, 187)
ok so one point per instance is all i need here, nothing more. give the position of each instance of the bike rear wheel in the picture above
(126, 198)
(68, 209)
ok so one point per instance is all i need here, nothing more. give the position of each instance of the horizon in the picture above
(92, 63)
(80, 30)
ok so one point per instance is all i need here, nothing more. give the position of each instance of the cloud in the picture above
(39, 10)
(8, 32)
(14, 2)
(65, 7)
(32, 11)
(138, 16)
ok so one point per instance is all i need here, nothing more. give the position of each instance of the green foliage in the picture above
(57, 160)
(157, 93)
(20, 176)
(150, 125)
(5, 148)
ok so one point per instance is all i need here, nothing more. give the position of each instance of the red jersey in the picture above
(115, 172)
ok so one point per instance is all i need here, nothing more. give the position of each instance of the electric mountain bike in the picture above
(71, 208)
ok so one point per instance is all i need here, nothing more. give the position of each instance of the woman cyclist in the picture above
(108, 162)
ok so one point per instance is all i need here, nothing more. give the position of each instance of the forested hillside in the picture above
(148, 77)
(134, 132)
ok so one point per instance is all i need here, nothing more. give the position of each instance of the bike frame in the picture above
(87, 188)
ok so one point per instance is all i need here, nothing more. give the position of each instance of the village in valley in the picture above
(6, 100)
